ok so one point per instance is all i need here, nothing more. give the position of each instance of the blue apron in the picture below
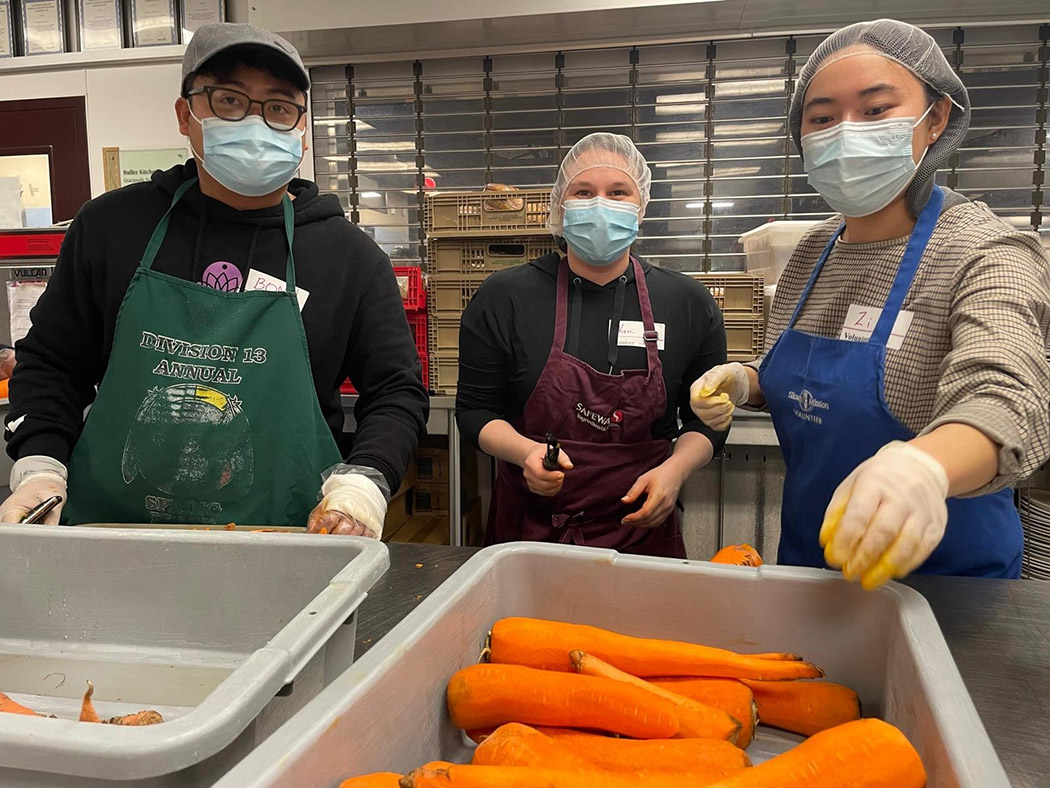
(826, 397)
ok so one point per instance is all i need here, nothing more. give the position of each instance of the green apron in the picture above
(207, 412)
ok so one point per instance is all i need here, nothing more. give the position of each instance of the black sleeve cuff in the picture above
(718, 439)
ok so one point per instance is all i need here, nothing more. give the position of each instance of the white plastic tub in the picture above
(388, 711)
(205, 627)
(768, 248)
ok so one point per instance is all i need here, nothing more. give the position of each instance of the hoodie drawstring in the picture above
(576, 314)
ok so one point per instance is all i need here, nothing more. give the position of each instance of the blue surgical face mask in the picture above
(600, 230)
(859, 168)
(247, 156)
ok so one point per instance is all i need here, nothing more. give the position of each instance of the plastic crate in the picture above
(745, 337)
(885, 644)
(487, 213)
(474, 255)
(735, 292)
(208, 628)
(410, 283)
(768, 248)
(444, 335)
(450, 293)
(444, 373)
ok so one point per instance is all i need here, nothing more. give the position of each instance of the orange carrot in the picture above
(519, 745)
(8, 706)
(546, 645)
(729, 695)
(147, 717)
(376, 780)
(535, 777)
(866, 753)
(695, 720)
(87, 708)
(805, 707)
(483, 695)
(738, 555)
(673, 755)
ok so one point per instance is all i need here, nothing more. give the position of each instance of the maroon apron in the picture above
(604, 424)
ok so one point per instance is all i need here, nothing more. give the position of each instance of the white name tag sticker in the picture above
(861, 321)
(632, 334)
(257, 280)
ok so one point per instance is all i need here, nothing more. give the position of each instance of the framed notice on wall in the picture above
(43, 27)
(7, 29)
(153, 23)
(194, 13)
(124, 167)
(101, 24)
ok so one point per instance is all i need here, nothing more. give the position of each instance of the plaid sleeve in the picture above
(995, 376)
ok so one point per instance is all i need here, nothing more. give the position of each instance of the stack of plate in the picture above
(1034, 505)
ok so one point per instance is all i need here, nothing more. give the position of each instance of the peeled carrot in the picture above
(805, 707)
(729, 695)
(87, 708)
(376, 780)
(672, 755)
(865, 753)
(695, 720)
(519, 745)
(546, 645)
(535, 777)
(8, 706)
(738, 555)
(480, 696)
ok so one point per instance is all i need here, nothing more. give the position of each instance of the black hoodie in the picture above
(508, 328)
(354, 320)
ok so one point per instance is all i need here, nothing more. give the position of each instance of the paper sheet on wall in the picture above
(21, 298)
(10, 203)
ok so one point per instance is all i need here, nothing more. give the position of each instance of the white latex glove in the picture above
(34, 479)
(888, 515)
(352, 505)
(715, 394)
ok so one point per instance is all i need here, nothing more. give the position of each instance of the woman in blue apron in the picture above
(905, 369)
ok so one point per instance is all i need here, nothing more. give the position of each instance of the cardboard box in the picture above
(432, 465)
(431, 498)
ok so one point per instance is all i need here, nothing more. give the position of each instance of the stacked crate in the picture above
(414, 297)
(471, 235)
(740, 297)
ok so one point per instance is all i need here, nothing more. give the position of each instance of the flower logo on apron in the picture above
(222, 275)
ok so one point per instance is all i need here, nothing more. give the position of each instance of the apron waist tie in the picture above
(569, 526)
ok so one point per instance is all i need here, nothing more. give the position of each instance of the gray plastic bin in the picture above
(388, 711)
(205, 627)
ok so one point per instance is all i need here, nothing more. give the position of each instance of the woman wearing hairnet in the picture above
(906, 368)
(597, 349)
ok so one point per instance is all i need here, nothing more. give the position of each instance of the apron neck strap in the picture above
(909, 266)
(161, 230)
(561, 310)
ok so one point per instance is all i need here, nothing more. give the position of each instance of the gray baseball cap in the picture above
(209, 40)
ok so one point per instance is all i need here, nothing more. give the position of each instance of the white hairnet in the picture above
(916, 51)
(599, 150)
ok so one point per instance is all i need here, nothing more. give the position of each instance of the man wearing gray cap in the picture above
(208, 318)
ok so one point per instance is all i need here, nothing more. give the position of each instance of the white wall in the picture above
(130, 107)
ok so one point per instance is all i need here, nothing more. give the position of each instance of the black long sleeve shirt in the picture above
(507, 331)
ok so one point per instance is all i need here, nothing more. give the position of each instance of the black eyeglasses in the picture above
(230, 104)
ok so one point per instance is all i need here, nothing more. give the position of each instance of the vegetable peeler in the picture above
(550, 459)
(41, 510)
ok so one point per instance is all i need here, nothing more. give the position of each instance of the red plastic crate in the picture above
(417, 323)
(44, 244)
(410, 282)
